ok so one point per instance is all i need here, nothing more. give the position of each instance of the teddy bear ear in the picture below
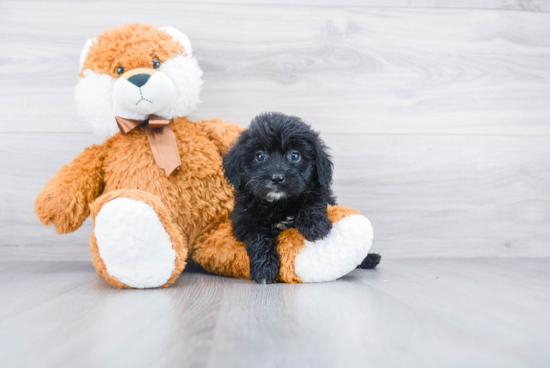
(85, 50)
(180, 37)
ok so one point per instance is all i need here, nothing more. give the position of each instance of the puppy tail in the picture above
(370, 261)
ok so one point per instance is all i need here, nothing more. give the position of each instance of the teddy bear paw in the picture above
(133, 244)
(334, 256)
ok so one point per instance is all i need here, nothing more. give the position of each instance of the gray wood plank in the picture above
(29, 161)
(84, 326)
(427, 196)
(347, 69)
(448, 196)
(49, 280)
(429, 313)
(521, 5)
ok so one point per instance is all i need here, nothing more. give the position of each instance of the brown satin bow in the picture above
(161, 139)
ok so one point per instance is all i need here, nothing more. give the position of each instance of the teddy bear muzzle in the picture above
(142, 92)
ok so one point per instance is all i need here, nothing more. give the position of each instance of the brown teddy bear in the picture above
(155, 188)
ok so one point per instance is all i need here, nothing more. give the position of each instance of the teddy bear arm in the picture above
(222, 133)
(65, 199)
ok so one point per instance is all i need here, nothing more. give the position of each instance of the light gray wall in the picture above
(438, 112)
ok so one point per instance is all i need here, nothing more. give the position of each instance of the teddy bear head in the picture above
(134, 71)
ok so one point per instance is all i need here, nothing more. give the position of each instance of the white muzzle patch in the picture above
(275, 196)
(134, 101)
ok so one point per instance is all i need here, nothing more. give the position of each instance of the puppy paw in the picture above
(265, 271)
(315, 228)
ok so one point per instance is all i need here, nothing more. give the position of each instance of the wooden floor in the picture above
(414, 313)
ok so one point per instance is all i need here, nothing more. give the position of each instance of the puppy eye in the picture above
(120, 70)
(260, 157)
(295, 156)
(156, 63)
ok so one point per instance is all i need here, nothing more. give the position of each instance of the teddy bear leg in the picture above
(135, 243)
(330, 258)
(327, 259)
(217, 251)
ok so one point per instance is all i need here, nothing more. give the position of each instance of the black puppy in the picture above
(282, 174)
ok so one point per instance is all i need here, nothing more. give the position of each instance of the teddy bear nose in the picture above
(139, 79)
(277, 178)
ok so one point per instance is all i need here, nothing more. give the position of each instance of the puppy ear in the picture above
(324, 164)
(231, 167)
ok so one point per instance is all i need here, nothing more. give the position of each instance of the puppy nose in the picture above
(277, 178)
(139, 79)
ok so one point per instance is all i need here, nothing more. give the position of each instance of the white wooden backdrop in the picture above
(438, 112)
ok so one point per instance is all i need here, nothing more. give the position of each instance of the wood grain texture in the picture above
(520, 5)
(448, 196)
(438, 118)
(427, 196)
(346, 69)
(418, 313)
(28, 162)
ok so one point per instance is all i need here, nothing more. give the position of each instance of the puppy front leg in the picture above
(264, 260)
(313, 223)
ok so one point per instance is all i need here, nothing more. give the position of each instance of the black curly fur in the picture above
(304, 189)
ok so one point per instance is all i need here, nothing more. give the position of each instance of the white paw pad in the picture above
(133, 243)
(338, 254)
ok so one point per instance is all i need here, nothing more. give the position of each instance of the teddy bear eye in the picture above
(295, 156)
(120, 70)
(261, 157)
(156, 63)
